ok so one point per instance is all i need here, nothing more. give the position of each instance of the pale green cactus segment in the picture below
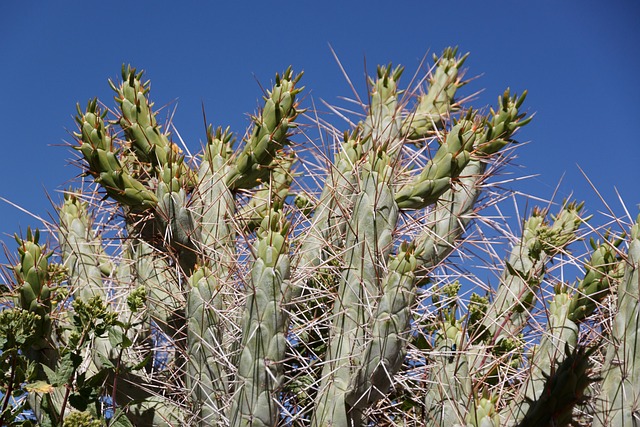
(95, 143)
(32, 276)
(525, 269)
(617, 404)
(470, 137)
(368, 243)
(452, 156)
(271, 195)
(328, 226)
(147, 140)
(504, 122)
(260, 367)
(219, 144)
(382, 126)
(206, 375)
(604, 269)
(138, 120)
(386, 349)
(380, 129)
(270, 133)
(449, 217)
(213, 203)
(82, 250)
(165, 296)
(336, 200)
(559, 338)
(439, 101)
(177, 224)
(447, 399)
(484, 412)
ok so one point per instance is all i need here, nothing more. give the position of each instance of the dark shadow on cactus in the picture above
(564, 390)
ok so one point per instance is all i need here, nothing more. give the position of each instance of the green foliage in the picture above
(221, 289)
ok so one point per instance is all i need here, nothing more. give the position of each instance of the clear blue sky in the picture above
(580, 61)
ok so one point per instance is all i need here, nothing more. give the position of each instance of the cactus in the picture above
(220, 289)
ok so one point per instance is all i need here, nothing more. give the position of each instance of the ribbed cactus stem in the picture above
(330, 216)
(96, 145)
(150, 144)
(386, 349)
(206, 375)
(32, 276)
(165, 292)
(368, 243)
(271, 195)
(439, 101)
(525, 269)
(454, 208)
(382, 126)
(447, 400)
(270, 133)
(210, 332)
(560, 337)
(82, 250)
(619, 400)
(604, 270)
(260, 366)
(447, 164)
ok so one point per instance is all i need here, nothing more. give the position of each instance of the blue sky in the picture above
(580, 61)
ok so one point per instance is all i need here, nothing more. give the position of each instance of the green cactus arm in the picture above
(525, 268)
(35, 294)
(386, 349)
(447, 398)
(81, 249)
(619, 397)
(329, 220)
(559, 340)
(175, 224)
(260, 367)
(378, 136)
(368, 241)
(271, 195)
(150, 144)
(604, 270)
(210, 333)
(435, 105)
(270, 133)
(164, 292)
(450, 217)
(450, 159)
(95, 144)
(381, 128)
(468, 138)
(213, 203)
(563, 390)
(382, 125)
(207, 377)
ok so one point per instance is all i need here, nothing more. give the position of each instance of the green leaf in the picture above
(105, 361)
(118, 339)
(119, 419)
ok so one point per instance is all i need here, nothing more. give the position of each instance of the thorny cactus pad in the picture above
(224, 289)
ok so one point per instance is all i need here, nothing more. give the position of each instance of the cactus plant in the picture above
(221, 289)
